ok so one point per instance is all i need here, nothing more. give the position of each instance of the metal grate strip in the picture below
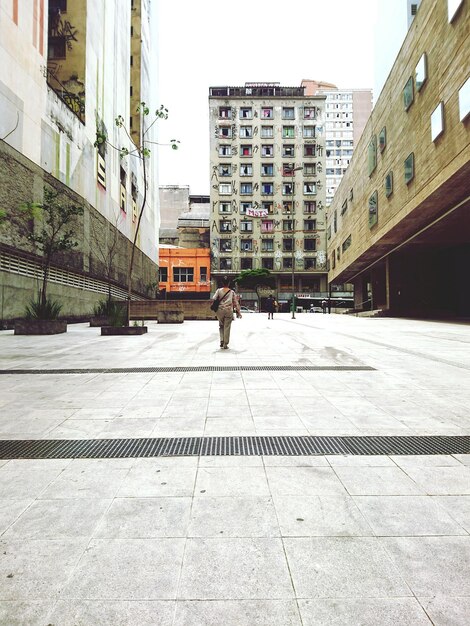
(196, 368)
(231, 446)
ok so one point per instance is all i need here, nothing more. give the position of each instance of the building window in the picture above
(309, 113)
(409, 168)
(267, 113)
(328, 232)
(225, 150)
(246, 151)
(287, 225)
(344, 207)
(267, 150)
(373, 209)
(267, 189)
(389, 184)
(310, 225)
(287, 263)
(267, 263)
(56, 48)
(268, 206)
(310, 206)
(246, 113)
(246, 132)
(288, 113)
(464, 100)
(267, 226)
(288, 132)
(246, 245)
(288, 150)
(183, 274)
(346, 243)
(225, 113)
(225, 264)
(310, 188)
(452, 8)
(225, 169)
(246, 264)
(225, 245)
(437, 121)
(246, 189)
(382, 139)
(310, 245)
(163, 274)
(225, 189)
(225, 207)
(246, 169)
(123, 202)
(372, 154)
(267, 245)
(267, 132)
(203, 274)
(225, 132)
(421, 72)
(225, 226)
(288, 189)
(245, 207)
(309, 169)
(246, 226)
(308, 132)
(287, 245)
(408, 93)
(309, 150)
(267, 169)
(287, 206)
(310, 264)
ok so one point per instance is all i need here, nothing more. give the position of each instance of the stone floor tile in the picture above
(377, 481)
(231, 481)
(58, 519)
(235, 569)
(342, 567)
(115, 613)
(363, 611)
(442, 480)
(237, 613)
(447, 611)
(432, 565)
(36, 570)
(10, 510)
(83, 482)
(230, 461)
(151, 481)
(233, 517)
(145, 518)
(424, 460)
(295, 461)
(458, 507)
(127, 569)
(463, 458)
(320, 516)
(25, 483)
(307, 481)
(408, 516)
(18, 613)
(340, 460)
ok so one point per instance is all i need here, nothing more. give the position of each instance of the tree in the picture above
(141, 152)
(52, 232)
(256, 280)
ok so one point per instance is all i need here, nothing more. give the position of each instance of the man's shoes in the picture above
(225, 347)
(221, 344)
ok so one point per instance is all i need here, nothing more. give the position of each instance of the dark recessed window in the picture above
(373, 209)
(409, 168)
(408, 93)
(389, 184)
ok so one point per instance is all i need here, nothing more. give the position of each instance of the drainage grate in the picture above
(198, 368)
(231, 446)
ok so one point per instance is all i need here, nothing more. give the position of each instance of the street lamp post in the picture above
(294, 170)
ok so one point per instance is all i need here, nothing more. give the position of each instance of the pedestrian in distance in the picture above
(227, 305)
(270, 307)
(323, 305)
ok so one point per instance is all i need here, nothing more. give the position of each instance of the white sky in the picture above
(212, 43)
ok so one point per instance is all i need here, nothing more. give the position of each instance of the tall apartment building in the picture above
(346, 114)
(267, 153)
(67, 70)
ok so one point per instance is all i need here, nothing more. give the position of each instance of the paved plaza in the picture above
(238, 540)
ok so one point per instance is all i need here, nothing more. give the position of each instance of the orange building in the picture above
(184, 271)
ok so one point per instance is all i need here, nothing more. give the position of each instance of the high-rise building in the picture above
(67, 71)
(346, 114)
(267, 159)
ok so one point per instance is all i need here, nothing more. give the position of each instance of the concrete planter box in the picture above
(123, 330)
(40, 327)
(96, 322)
(170, 316)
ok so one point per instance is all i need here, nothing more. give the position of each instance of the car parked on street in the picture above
(245, 309)
(315, 309)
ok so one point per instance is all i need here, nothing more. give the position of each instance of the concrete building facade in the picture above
(67, 70)
(267, 159)
(399, 225)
